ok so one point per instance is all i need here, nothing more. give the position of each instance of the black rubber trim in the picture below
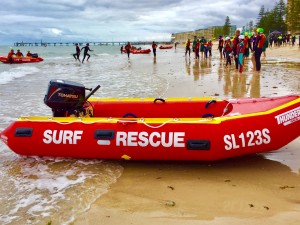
(104, 134)
(23, 132)
(198, 144)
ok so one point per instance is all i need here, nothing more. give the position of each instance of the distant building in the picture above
(208, 33)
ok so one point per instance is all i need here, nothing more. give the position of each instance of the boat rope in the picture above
(142, 120)
(225, 110)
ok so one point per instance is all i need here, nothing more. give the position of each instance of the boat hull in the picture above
(157, 138)
(166, 47)
(143, 51)
(19, 60)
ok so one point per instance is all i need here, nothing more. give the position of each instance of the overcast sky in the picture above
(118, 20)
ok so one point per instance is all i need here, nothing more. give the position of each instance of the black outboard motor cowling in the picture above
(64, 96)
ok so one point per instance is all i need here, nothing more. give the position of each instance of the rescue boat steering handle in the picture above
(92, 92)
(159, 99)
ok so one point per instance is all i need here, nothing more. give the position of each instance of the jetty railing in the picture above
(105, 43)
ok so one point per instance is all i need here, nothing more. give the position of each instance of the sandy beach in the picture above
(252, 190)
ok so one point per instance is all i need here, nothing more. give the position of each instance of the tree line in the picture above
(283, 18)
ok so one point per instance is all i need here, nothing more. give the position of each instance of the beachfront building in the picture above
(208, 33)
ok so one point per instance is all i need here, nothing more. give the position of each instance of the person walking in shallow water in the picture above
(128, 48)
(154, 46)
(85, 53)
(77, 54)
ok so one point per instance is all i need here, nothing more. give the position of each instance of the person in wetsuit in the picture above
(258, 47)
(10, 56)
(77, 54)
(234, 48)
(19, 53)
(85, 52)
(154, 46)
(128, 48)
(221, 45)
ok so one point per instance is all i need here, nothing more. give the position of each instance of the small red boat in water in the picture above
(153, 129)
(165, 47)
(4, 59)
(140, 51)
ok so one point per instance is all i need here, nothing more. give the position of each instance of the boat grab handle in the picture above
(129, 114)
(23, 132)
(159, 99)
(104, 134)
(198, 144)
(208, 115)
(209, 103)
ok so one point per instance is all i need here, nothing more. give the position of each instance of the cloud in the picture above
(104, 20)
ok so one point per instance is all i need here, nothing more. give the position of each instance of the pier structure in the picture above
(105, 43)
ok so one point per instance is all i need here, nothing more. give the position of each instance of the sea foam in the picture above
(16, 72)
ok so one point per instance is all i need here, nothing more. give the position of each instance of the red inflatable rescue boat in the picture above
(4, 59)
(165, 47)
(141, 51)
(153, 129)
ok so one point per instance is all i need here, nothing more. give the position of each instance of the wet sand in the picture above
(256, 189)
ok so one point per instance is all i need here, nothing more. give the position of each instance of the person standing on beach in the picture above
(258, 47)
(154, 46)
(209, 47)
(128, 48)
(77, 54)
(220, 46)
(197, 48)
(240, 52)
(203, 45)
(121, 49)
(188, 47)
(264, 48)
(228, 50)
(194, 44)
(234, 48)
(85, 53)
(247, 43)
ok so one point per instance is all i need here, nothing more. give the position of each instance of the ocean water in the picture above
(37, 190)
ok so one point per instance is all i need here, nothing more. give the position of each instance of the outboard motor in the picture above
(34, 55)
(67, 98)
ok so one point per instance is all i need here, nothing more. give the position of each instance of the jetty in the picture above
(107, 43)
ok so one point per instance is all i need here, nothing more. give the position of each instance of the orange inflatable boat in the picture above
(4, 59)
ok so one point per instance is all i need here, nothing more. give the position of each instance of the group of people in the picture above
(85, 52)
(18, 54)
(281, 40)
(241, 45)
(201, 46)
(238, 48)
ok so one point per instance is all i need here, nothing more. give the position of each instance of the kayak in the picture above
(4, 59)
(205, 129)
(166, 47)
(142, 51)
